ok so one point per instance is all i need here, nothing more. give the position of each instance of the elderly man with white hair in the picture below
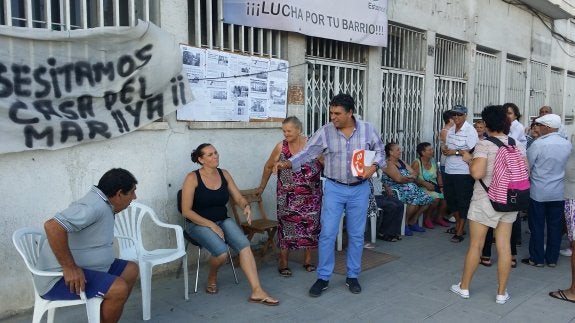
(547, 158)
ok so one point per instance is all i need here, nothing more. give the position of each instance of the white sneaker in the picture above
(502, 299)
(461, 292)
(451, 219)
(567, 252)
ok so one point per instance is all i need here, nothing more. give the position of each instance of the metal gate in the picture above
(537, 89)
(403, 65)
(556, 91)
(326, 79)
(402, 105)
(516, 75)
(486, 90)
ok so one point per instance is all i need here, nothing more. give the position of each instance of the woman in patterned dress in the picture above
(400, 176)
(298, 198)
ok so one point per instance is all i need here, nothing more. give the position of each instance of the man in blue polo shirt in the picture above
(80, 244)
(336, 141)
(547, 158)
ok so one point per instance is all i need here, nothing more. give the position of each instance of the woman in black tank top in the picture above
(205, 193)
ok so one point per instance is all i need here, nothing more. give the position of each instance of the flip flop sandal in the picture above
(284, 272)
(485, 261)
(309, 268)
(390, 238)
(561, 296)
(451, 230)
(530, 262)
(265, 301)
(212, 289)
(456, 238)
(513, 263)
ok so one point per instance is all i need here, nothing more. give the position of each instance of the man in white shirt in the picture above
(458, 183)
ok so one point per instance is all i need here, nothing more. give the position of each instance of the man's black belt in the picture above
(346, 184)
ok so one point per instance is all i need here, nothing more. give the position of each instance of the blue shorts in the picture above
(97, 283)
(208, 239)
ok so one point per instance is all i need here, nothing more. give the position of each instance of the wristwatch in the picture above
(457, 152)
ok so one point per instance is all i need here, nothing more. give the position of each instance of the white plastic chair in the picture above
(128, 231)
(28, 242)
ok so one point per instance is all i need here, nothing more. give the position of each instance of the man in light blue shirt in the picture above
(547, 158)
(336, 141)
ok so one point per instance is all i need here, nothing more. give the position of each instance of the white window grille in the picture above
(570, 93)
(486, 92)
(537, 92)
(556, 91)
(450, 58)
(76, 14)
(337, 67)
(450, 80)
(335, 50)
(326, 79)
(402, 106)
(208, 30)
(406, 49)
(516, 76)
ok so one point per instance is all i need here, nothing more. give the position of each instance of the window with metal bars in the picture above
(76, 14)
(406, 49)
(336, 50)
(208, 30)
(450, 58)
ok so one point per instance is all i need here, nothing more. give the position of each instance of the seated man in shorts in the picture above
(80, 245)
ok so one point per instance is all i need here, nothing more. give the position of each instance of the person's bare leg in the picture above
(215, 264)
(502, 236)
(429, 213)
(411, 213)
(283, 261)
(307, 257)
(477, 238)
(114, 300)
(459, 223)
(248, 264)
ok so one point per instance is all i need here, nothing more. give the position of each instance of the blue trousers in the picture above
(337, 198)
(540, 213)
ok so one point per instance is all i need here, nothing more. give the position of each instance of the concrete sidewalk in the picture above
(413, 288)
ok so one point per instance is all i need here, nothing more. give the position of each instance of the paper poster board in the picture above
(232, 87)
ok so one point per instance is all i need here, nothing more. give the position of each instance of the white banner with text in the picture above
(59, 89)
(359, 21)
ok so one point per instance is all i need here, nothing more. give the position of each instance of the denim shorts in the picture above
(97, 283)
(208, 239)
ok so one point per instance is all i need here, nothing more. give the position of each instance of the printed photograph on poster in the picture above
(258, 109)
(242, 109)
(191, 57)
(277, 99)
(258, 86)
(240, 90)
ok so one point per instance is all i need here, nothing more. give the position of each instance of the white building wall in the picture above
(37, 184)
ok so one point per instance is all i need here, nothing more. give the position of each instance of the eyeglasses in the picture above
(539, 124)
